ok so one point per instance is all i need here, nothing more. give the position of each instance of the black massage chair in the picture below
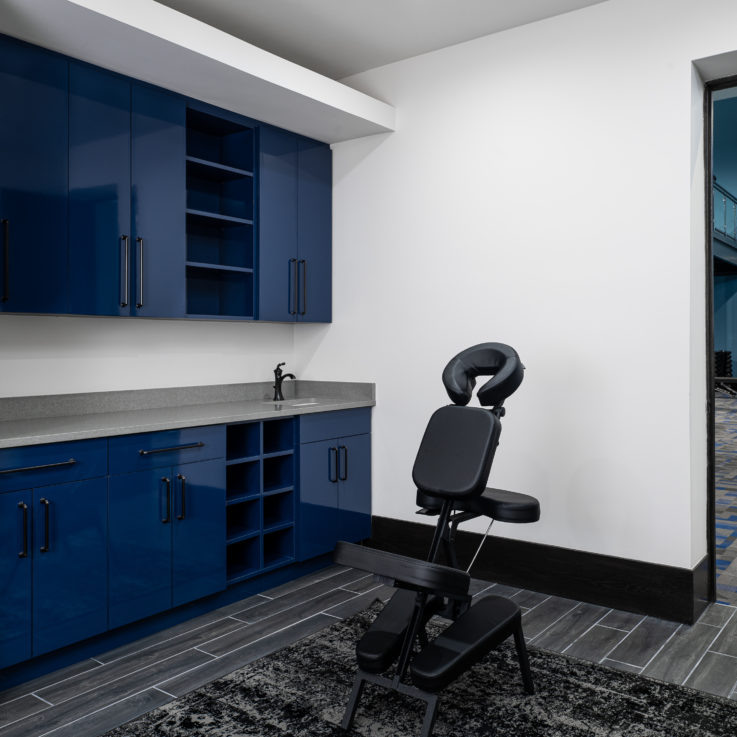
(450, 472)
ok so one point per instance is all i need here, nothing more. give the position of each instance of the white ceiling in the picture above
(338, 38)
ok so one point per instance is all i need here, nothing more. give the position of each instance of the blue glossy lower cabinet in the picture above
(54, 567)
(335, 481)
(354, 488)
(69, 563)
(167, 538)
(16, 567)
(97, 534)
(318, 499)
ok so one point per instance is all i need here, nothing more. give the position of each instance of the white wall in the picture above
(60, 355)
(544, 188)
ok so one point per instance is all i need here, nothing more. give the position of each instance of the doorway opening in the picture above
(721, 197)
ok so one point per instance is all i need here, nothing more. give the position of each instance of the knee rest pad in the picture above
(380, 645)
(484, 626)
(382, 642)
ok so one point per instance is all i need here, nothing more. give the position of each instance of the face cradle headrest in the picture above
(497, 360)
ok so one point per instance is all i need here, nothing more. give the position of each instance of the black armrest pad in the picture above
(404, 571)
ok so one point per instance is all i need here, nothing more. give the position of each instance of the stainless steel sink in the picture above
(296, 402)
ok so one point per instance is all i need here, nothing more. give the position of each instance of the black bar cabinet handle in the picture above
(343, 463)
(126, 276)
(45, 547)
(139, 303)
(24, 511)
(169, 450)
(70, 462)
(304, 286)
(183, 482)
(6, 260)
(293, 289)
(333, 465)
(167, 481)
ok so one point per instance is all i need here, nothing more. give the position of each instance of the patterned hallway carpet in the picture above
(301, 691)
(725, 472)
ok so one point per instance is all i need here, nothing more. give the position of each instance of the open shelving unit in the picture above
(260, 497)
(220, 217)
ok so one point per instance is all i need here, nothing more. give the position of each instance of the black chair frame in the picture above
(450, 474)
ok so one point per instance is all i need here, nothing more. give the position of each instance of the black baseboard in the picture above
(677, 594)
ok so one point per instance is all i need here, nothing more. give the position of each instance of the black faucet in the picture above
(279, 377)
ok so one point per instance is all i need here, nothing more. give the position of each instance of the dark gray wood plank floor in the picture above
(97, 694)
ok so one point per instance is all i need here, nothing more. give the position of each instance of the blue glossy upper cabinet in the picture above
(295, 228)
(277, 225)
(158, 180)
(99, 191)
(314, 231)
(33, 179)
(126, 196)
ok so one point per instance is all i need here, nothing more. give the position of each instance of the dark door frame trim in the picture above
(709, 89)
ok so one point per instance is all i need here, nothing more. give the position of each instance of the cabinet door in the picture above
(318, 498)
(33, 179)
(199, 530)
(354, 494)
(69, 563)
(158, 151)
(15, 577)
(314, 229)
(141, 517)
(99, 192)
(277, 225)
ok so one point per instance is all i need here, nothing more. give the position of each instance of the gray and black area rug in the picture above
(301, 691)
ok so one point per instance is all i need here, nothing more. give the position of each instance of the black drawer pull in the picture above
(6, 260)
(343, 463)
(293, 291)
(70, 462)
(303, 311)
(45, 547)
(139, 302)
(170, 450)
(167, 519)
(126, 276)
(183, 483)
(333, 465)
(24, 510)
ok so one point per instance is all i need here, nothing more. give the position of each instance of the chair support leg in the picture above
(524, 662)
(430, 713)
(362, 678)
(350, 710)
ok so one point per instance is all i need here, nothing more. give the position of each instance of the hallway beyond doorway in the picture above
(725, 501)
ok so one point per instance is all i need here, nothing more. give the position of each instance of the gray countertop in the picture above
(57, 418)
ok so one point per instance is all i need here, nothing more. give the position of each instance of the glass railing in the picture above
(725, 211)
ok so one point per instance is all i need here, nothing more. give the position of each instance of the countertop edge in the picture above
(111, 424)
